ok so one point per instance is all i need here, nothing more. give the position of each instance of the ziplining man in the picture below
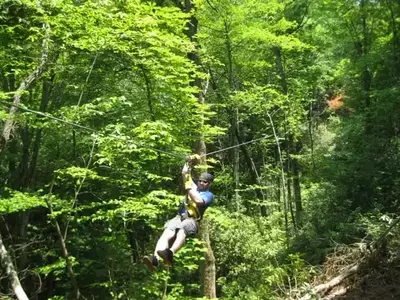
(186, 223)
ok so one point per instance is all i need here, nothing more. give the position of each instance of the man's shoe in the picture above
(167, 256)
(151, 262)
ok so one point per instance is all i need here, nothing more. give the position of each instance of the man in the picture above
(186, 223)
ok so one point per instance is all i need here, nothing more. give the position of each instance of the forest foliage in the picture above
(100, 106)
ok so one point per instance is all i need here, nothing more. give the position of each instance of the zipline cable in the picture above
(87, 128)
(237, 145)
(48, 116)
(120, 138)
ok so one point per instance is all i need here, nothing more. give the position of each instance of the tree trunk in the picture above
(71, 273)
(395, 39)
(22, 225)
(282, 75)
(11, 272)
(22, 174)
(297, 189)
(289, 197)
(234, 118)
(366, 75)
(207, 267)
(236, 167)
(280, 69)
(207, 270)
(19, 175)
(46, 94)
(293, 147)
(283, 181)
(253, 173)
(9, 125)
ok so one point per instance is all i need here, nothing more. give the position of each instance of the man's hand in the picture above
(188, 183)
(193, 159)
(186, 176)
(186, 169)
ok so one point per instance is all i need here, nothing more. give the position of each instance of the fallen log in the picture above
(340, 292)
(324, 288)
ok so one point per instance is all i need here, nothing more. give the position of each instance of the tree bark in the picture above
(9, 125)
(19, 175)
(289, 197)
(208, 271)
(282, 75)
(366, 75)
(236, 161)
(46, 93)
(283, 181)
(293, 147)
(280, 69)
(297, 189)
(207, 267)
(395, 39)
(11, 272)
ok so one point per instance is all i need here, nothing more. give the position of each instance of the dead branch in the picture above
(323, 289)
(340, 292)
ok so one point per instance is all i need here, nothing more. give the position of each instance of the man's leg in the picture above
(163, 241)
(168, 253)
(179, 241)
(162, 249)
(188, 227)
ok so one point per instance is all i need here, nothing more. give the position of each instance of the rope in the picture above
(120, 138)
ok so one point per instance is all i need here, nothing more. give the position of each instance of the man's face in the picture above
(203, 185)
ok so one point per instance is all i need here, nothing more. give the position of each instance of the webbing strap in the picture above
(193, 210)
(191, 206)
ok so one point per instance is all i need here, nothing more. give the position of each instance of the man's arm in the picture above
(187, 178)
(195, 196)
(190, 186)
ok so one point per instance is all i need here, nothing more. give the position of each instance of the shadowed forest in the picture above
(294, 107)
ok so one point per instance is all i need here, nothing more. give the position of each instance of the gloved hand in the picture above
(193, 159)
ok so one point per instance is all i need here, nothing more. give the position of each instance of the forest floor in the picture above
(377, 276)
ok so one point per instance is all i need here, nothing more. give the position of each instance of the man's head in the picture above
(204, 181)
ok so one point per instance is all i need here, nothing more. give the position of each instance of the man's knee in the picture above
(172, 224)
(189, 227)
(181, 233)
(168, 233)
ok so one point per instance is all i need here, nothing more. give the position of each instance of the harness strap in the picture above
(190, 205)
(193, 210)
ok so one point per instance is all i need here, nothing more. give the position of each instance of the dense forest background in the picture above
(297, 104)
